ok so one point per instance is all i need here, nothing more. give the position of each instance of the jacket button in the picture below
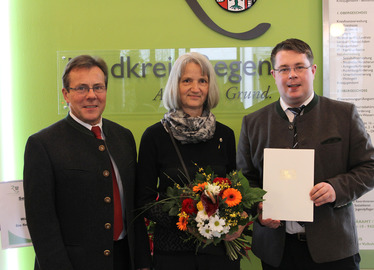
(106, 173)
(102, 148)
(107, 200)
(106, 252)
(108, 226)
(290, 127)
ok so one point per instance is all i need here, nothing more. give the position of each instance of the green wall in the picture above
(40, 28)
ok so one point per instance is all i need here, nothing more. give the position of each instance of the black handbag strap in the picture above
(178, 152)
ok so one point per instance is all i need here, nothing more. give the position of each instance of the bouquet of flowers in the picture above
(210, 207)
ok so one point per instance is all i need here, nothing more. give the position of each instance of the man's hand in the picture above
(231, 237)
(322, 193)
(270, 223)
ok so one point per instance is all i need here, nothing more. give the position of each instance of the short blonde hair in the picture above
(171, 96)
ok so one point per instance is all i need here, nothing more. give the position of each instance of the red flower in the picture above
(147, 222)
(188, 206)
(222, 180)
(151, 246)
(209, 206)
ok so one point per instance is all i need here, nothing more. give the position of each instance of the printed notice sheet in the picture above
(288, 179)
(14, 231)
(349, 69)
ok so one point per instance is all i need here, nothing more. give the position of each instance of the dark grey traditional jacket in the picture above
(66, 196)
(344, 157)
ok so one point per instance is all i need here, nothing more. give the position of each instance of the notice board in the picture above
(348, 57)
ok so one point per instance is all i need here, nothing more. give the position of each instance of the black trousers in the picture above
(297, 257)
(191, 261)
(121, 255)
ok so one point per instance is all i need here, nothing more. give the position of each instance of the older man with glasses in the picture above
(79, 180)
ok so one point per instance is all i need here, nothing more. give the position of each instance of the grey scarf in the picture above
(187, 129)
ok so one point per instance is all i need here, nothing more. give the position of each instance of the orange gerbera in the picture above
(183, 220)
(199, 187)
(233, 196)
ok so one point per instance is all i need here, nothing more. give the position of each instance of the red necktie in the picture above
(118, 221)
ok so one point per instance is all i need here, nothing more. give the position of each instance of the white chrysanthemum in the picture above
(201, 216)
(200, 224)
(216, 234)
(206, 231)
(216, 223)
(212, 188)
(226, 229)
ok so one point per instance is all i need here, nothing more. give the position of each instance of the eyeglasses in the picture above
(287, 70)
(98, 89)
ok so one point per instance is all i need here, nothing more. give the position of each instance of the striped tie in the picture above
(296, 111)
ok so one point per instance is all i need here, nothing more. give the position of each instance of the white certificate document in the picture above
(288, 179)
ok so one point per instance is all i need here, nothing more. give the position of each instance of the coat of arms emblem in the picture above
(229, 5)
(236, 5)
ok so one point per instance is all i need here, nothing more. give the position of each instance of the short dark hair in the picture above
(84, 61)
(295, 45)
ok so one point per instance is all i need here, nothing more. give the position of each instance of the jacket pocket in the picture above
(331, 140)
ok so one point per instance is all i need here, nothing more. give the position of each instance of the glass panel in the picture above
(138, 77)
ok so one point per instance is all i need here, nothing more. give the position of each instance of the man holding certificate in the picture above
(315, 143)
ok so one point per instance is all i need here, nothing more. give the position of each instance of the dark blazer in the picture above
(344, 157)
(158, 159)
(66, 186)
